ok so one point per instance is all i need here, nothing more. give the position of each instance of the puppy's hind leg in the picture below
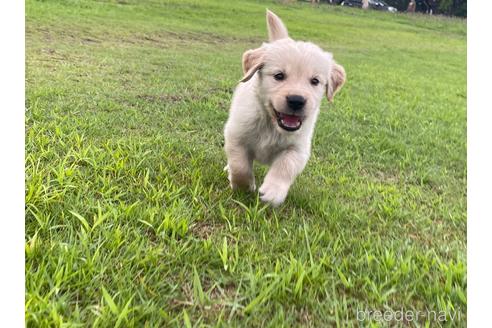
(240, 168)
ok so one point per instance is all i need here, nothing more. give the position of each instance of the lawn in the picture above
(129, 217)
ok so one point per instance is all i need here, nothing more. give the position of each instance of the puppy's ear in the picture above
(252, 61)
(276, 29)
(335, 81)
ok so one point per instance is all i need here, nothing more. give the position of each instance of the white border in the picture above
(12, 163)
(479, 163)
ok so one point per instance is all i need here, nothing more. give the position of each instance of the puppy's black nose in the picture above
(296, 102)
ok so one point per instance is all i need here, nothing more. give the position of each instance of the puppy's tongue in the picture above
(290, 121)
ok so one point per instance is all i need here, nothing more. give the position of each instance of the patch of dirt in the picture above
(221, 297)
(90, 40)
(226, 292)
(165, 38)
(203, 229)
(305, 318)
(161, 98)
(198, 96)
(388, 177)
(157, 38)
(382, 176)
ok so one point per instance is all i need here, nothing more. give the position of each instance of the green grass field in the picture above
(129, 217)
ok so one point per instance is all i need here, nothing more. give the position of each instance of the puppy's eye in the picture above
(279, 76)
(314, 81)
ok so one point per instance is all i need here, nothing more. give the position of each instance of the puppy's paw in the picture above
(251, 186)
(273, 193)
(244, 181)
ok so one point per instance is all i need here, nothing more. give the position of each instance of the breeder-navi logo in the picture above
(401, 315)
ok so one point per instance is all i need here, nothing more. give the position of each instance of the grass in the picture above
(129, 217)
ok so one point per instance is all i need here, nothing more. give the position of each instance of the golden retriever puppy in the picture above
(274, 110)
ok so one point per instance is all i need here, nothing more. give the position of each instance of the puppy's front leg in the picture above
(281, 175)
(240, 168)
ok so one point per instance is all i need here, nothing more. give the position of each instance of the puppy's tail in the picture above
(276, 28)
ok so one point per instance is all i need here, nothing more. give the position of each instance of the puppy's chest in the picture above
(266, 145)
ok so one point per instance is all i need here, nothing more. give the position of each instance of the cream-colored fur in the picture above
(256, 128)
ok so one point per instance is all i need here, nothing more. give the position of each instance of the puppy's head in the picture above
(293, 76)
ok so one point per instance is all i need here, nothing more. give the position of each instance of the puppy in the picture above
(274, 110)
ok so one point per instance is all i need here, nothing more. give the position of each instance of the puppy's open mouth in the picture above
(288, 122)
